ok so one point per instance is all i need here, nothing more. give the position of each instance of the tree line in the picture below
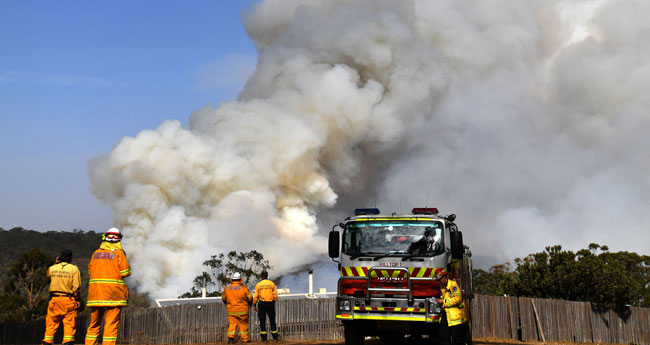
(594, 274)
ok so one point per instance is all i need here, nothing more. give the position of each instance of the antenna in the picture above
(400, 204)
(374, 195)
(426, 204)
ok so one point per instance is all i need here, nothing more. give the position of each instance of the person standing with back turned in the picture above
(264, 300)
(238, 302)
(65, 287)
(107, 292)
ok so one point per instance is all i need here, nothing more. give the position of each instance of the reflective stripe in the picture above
(100, 303)
(110, 338)
(238, 312)
(106, 281)
(126, 271)
(378, 317)
(416, 310)
(91, 336)
(47, 337)
(414, 272)
(274, 332)
(69, 337)
(263, 332)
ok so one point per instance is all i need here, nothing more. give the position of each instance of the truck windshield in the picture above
(394, 237)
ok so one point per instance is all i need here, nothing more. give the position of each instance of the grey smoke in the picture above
(528, 120)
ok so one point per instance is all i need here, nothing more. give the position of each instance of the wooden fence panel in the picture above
(494, 317)
(600, 326)
(641, 325)
(527, 320)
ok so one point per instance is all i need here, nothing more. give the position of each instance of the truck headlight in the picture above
(344, 304)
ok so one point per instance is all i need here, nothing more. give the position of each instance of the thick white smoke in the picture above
(527, 119)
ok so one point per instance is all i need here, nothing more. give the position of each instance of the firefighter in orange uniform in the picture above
(65, 286)
(264, 299)
(107, 292)
(453, 322)
(238, 302)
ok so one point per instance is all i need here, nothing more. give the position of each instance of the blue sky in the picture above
(76, 77)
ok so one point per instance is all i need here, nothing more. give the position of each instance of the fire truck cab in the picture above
(390, 265)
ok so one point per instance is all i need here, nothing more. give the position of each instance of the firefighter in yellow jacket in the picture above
(65, 286)
(238, 302)
(107, 292)
(264, 300)
(452, 324)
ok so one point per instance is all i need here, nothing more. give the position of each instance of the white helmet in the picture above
(236, 276)
(113, 235)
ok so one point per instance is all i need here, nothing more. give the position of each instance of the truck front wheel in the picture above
(354, 334)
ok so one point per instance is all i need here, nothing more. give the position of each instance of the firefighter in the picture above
(107, 292)
(65, 286)
(238, 302)
(453, 322)
(264, 300)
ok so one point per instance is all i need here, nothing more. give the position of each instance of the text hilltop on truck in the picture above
(389, 266)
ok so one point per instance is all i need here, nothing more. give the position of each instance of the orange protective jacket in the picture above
(265, 291)
(238, 298)
(107, 268)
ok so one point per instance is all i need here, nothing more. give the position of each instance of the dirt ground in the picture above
(377, 342)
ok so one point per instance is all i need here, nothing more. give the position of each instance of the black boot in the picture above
(275, 336)
(263, 336)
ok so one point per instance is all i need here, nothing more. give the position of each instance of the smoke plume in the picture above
(528, 120)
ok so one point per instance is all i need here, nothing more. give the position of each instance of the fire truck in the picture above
(390, 265)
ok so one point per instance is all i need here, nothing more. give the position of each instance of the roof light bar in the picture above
(364, 211)
(425, 210)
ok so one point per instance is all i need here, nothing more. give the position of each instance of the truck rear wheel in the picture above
(354, 334)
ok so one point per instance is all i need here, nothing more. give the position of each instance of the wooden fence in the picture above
(536, 319)
(307, 319)
(507, 318)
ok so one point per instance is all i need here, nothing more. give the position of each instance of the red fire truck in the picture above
(389, 266)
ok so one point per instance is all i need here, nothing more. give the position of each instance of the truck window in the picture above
(411, 237)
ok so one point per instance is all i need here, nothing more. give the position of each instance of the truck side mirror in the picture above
(334, 244)
(457, 247)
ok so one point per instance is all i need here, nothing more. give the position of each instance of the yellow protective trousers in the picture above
(61, 308)
(235, 321)
(111, 324)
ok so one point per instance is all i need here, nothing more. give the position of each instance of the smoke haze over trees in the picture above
(607, 279)
(220, 268)
(526, 119)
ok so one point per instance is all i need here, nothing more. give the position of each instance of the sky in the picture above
(204, 127)
(76, 77)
